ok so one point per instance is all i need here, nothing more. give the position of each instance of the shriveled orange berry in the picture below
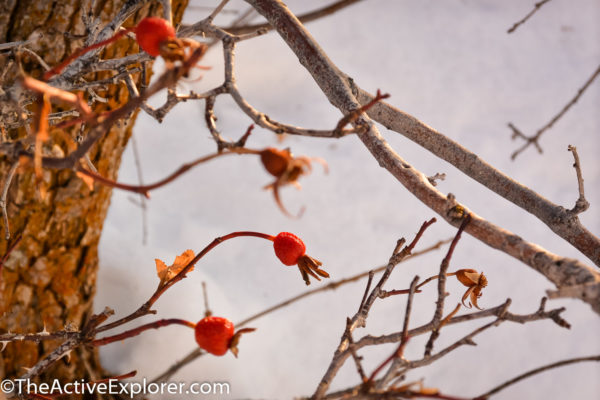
(275, 161)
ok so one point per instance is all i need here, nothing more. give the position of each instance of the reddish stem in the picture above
(436, 396)
(136, 331)
(353, 116)
(208, 248)
(117, 377)
(398, 353)
(144, 189)
(466, 220)
(78, 53)
(425, 225)
(145, 308)
(399, 291)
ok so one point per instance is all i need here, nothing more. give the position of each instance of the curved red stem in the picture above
(136, 331)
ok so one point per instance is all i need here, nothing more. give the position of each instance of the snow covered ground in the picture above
(449, 63)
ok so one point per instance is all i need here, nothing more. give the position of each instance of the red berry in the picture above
(214, 334)
(151, 32)
(288, 248)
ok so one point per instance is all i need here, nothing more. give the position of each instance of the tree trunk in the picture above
(48, 281)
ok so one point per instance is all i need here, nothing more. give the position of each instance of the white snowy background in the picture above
(449, 63)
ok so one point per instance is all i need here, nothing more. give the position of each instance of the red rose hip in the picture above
(214, 334)
(288, 248)
(151, 32)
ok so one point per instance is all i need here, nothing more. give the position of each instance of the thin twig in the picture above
(11, 248)
(359, 319)
(36, 337)
(529, 140)
(146, 308)
(142, 328)
(197, 352)
(535, 371)
(581, 204)
(143, 203)
(39, 59)
(357, 359)
(364, 298)
(167, 11)
(439, 308)
(500, 312)
(398, 354)
(145, 189)
(304, 18)
(529, 15)
(207, 311)
(217, 10)
(3, 199)
(333, 285)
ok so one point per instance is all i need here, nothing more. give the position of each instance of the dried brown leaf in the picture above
(166, 273)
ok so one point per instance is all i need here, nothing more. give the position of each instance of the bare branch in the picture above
(4, 198)
(172, 370)
(334, 285)
(64, 349)
(563, 223)
(534, 139)
(337, 88)
(357, 359)
(10, 249)
(497, 311)
(359, 319)
(36, 337)
(439, 306)
(143, 204)
(536, 7)
(145, 189)
(535, 371)
(581, 204)
(217, 10)
(396, 357)
(304, 18)
(331, 286)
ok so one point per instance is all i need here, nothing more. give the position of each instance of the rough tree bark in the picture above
(48, 282)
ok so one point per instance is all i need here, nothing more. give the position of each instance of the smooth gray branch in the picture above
(337, 88)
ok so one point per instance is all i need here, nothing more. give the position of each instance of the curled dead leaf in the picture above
(166, 273)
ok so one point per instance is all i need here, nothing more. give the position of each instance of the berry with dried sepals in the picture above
(151, 32)
(290, 250)
(214, 334)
